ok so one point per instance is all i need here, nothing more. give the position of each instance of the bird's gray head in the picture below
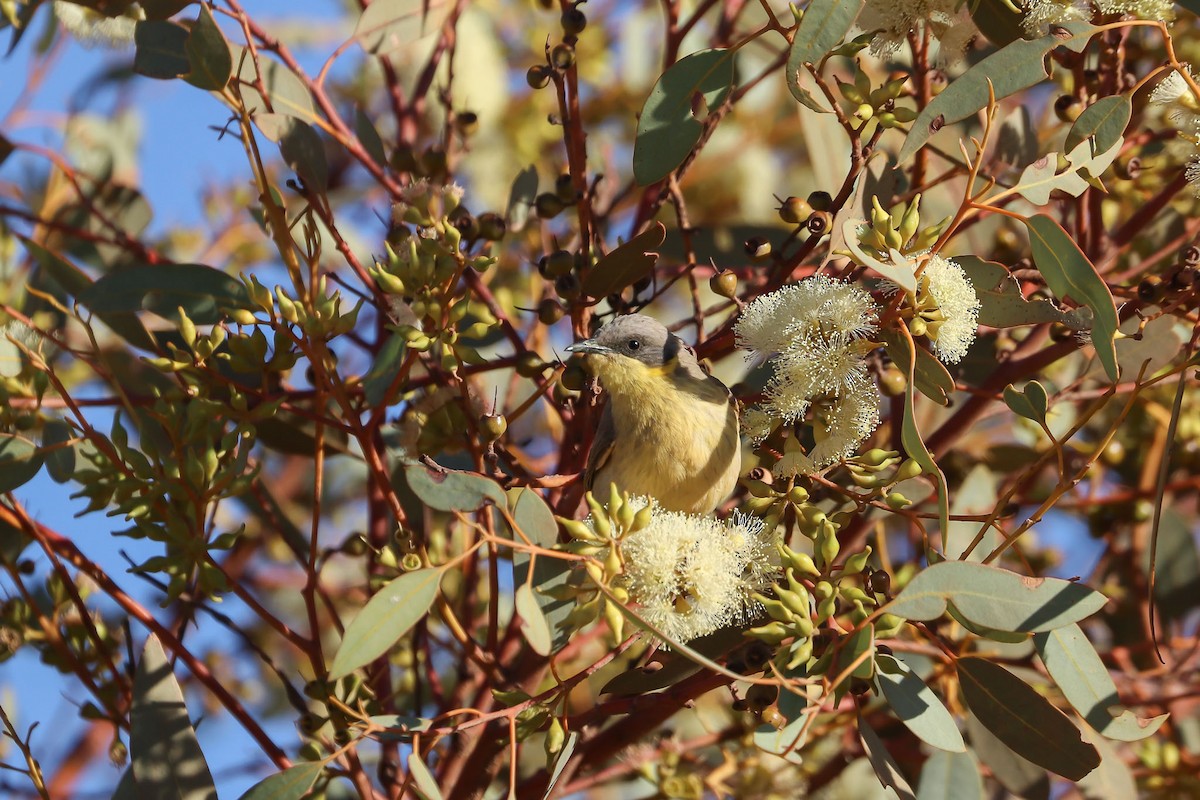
(635, 336)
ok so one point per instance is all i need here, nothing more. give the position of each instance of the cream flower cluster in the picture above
(947, 21)
(1181, 106)
(91, 28)
(819, 330)
(691, 575)
(957, 315)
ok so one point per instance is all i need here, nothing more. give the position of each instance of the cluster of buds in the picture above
(879, 469)
(600, 538)
(877, 104)
(898, 232)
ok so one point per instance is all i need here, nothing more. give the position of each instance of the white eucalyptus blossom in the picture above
(846, 421)
(947, 22)
(1180, 104)
(1161, 10)
(1040, 15)
(91, 28)
(958, 305)
(691, 575)
(816, 307)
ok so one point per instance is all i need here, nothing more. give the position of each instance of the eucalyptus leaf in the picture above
(534, 519)
(917, 706)
(1021, 777)
(910, 434)
(165, 756)
(823, 27)
(1031, 402)
(950, 776)
(995, 598)
(211, 63)
(1074, 665)
(668, 127)
(286, 93)
(1069, 273)
(521, 198)
(19, 461)
(626, 264)
(1104, 120)
(292, 783)
(383, 370)
(162, 289)
(1041, 178)
(560, 762)
(386, 617)
(450, 490)
(997, 20)
(533, 622)
(303, 151)
(1024, 720)
(160, 49)
(389, 25)
(59, 455)
(1003, 306)
(365, 130)
(422, 778)
(1016, 66)
(886, 768)
(931, 376)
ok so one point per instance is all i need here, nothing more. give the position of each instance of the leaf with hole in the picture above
(1074, 665)
(995, 598)
(916, 705)
(626, 264)
(164, 753)
(823, 27)
(1084, 164)
(1024, 720)
(1069, 273)
(386, 617)
(1016, 66)
(202, 292)
(450, 490)
(160, 50)
(208, 54)
(291, 784)
(950, 776)
(675, 113)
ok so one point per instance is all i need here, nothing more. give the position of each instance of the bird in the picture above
(669, 430)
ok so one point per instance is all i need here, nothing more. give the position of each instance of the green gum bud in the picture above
(826, 609)
(642, 518)
(773, 633)
(800, 654)
(896, 501)
(801, 562)
(909, 469)
(857, 562)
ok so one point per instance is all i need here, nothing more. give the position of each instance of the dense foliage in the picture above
(944, 253)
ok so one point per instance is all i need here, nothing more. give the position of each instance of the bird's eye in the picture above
(634, 344)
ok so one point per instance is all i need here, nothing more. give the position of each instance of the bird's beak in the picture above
(589, 347)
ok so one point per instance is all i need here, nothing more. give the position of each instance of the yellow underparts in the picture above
(677, 435)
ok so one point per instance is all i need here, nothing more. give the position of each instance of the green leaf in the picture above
(1112, 780)
(1177, 590)
(996, 20)
(163, 288)
(13, 542)
(995, 598)
(534, 519)
(910, 435)
(383, 370)
(886, 768)
(1074, 665)
(1022, 778)
(208, 53)
(1014, 67)
(1003, 306)
(1068, 273)
(161, 49)
(291, 784)
(1024, 720)
(1030, 403)
(626, 264)
(166, 758)
(975, 495)
(533, 622)
(19, 461)
(917, 706)
(422, 778)
(931, 376)
(1104, 120)
(389, 25)
(900, 273)
(401, 727)
(286, 93)
(521, 198)
(60, 462)
(668, 127)
(950, 776)
(1005, 637)
(303, 151)
(449, 490)
(365, 130)
(560, 762)
(387, 616)
(823, 27)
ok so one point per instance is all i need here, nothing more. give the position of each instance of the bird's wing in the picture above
(602, 446)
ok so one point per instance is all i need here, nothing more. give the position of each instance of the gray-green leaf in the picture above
(917, 706)
(823, 27)
(950, 776)
(1030, 403)
(387, 616)
(291, 784)
(19, 461)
